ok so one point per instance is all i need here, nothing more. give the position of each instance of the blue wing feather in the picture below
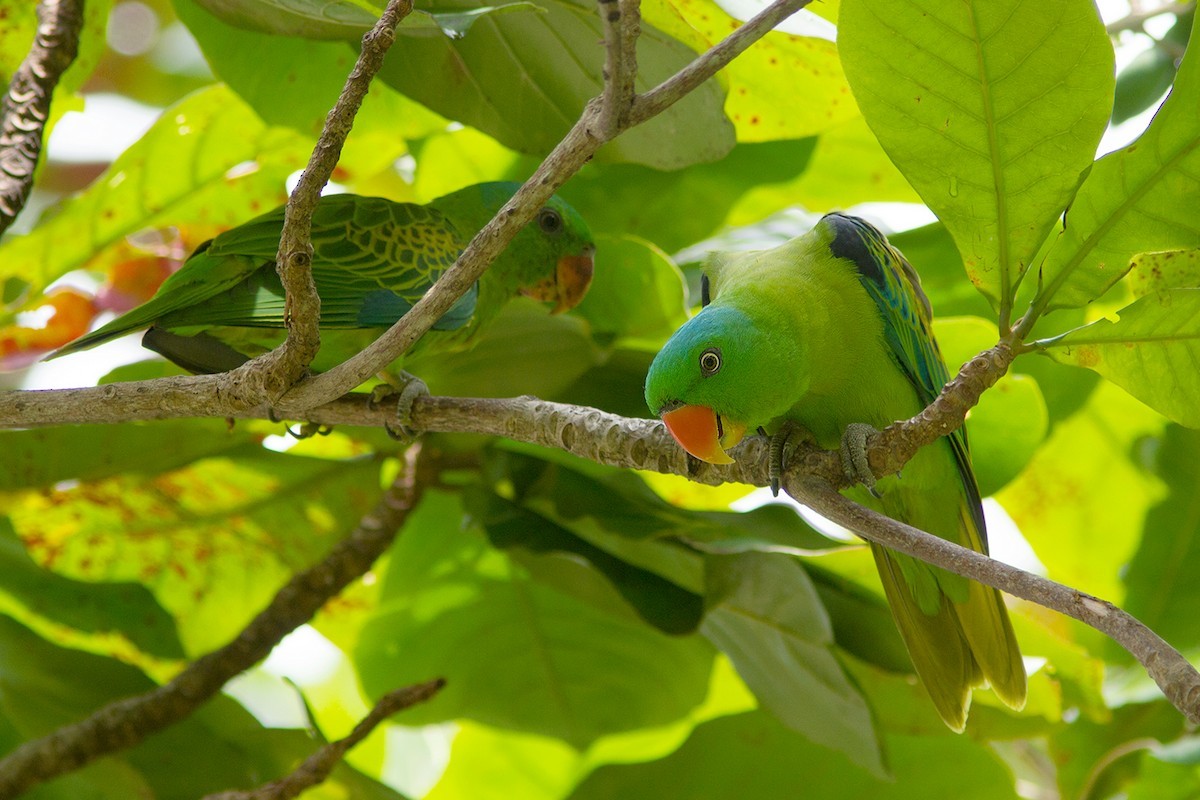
(908, 326)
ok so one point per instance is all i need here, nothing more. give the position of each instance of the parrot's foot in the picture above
(783, 443)
(854, 455)
(307, 430)
(406, 389)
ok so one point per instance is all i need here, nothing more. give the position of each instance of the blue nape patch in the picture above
(382, 308)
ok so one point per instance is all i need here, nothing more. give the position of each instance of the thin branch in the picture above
(1136, 19)
(1178, 679)
(26, 107)
(126, 722)
(576, 148)
(316, 768)
(622, 24)
(690, 77)
(285, 365)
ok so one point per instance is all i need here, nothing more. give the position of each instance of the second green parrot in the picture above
(372, 260)
(831, 331)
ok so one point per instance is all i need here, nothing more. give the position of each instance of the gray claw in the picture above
(854, 455)
(401, 428)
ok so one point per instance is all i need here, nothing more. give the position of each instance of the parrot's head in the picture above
(718, 376)
(550, 260)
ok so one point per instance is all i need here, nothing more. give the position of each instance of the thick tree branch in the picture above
(316, 768)
(26, 107)
(274, 372)
(126, 722)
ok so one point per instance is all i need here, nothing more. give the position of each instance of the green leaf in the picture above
(1151, 351)
(523, 350)
(991, 109)
(751, 756)
(37, 597)
(455, 24)
(637, 292)
(311, 19)
(677, 209)
(43, 457)
(847, 167)
(1174, 269)
(548, 66)
(657, 601)
(1142, 82)
(456, 608)
(295, 82)
(213, 540)
(1082, 494)
(1010, 422)
(1160, 587)
(1088, 752)
(781, 87)
(219, 747)
(764, 613)
(1137, 200)
(862, 622)
(207, 161)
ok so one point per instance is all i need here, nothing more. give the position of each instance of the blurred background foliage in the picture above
(604, 634)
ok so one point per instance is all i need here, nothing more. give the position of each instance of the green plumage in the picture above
(372, 260)
(831, 329)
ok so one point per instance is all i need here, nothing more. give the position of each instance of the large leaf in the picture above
(208, 161)
(1082, 494)
(764, 613)
(516, 653)
(43, 599)
(1151, 351)
(524, 79)
(295, 82)
(991, 109)
(212, 540)
(637, 292)
(782, 87)
(1137, 200)
(1160, 586)
(659, 602)
(751, 757)
(43, 457)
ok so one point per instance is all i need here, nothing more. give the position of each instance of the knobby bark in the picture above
(25, 108)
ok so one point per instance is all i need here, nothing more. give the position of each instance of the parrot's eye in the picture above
(549, 220)
(710, 362)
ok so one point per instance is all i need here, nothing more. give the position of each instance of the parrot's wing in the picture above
(200, 279)
(908, 328)
(372, 260)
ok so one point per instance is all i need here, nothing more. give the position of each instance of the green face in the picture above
(711, 361)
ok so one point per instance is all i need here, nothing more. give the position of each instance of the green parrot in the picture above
(372, 260)
(832, 332)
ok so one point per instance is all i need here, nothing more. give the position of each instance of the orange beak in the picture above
(572, 277)
(703, 433)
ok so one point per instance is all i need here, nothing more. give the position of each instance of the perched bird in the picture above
(372, 260)
(831, 332)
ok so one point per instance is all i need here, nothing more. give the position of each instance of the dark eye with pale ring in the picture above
(710, 362)
(549, 220)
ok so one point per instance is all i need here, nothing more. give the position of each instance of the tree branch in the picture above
(125, 722)
(26, 107)
(316, 768)
(273, 373)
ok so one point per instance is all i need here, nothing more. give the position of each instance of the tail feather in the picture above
(939, 651)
